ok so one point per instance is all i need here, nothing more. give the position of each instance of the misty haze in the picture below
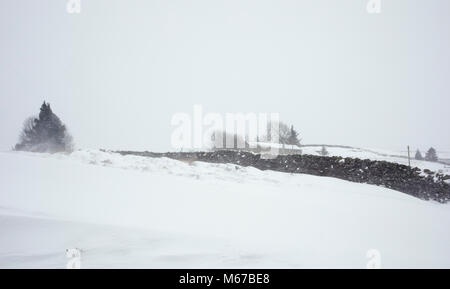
(224, 134)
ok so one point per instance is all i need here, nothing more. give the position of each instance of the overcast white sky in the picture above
(118, 71)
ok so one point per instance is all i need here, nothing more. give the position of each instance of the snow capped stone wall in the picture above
(425, 184)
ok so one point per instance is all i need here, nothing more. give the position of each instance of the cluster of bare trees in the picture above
(282, 133)
(276, 133)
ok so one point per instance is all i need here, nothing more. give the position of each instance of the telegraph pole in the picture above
(409, 158)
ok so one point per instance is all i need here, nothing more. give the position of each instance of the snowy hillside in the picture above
(129, 211)
(378, 155)
(367, 153)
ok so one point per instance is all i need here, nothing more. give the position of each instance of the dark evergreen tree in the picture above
(431, 155)
(418, 156)
(293, 137)
(44, 134)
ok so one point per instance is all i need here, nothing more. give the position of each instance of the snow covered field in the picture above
(380, 155)
(393, 156)
(129, 211)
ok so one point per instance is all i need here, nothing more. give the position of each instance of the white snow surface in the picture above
(400, 157)
(379, 155)
(137, 212)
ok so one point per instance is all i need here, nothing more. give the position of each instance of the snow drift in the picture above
(130, 211)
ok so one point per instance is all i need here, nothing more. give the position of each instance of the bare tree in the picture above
(225, 140)
(278, 131)
(28, 133)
